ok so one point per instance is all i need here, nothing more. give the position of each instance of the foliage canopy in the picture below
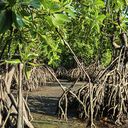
(30, 26)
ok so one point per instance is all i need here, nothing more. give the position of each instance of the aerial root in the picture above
(109, 95)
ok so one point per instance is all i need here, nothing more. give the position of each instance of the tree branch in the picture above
(107, 35)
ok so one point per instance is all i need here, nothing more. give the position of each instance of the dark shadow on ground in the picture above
(47, 106)
(43, 105)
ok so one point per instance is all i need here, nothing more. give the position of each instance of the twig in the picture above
(107, 35)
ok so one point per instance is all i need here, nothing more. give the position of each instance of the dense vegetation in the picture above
(86, 26)
(63, 32)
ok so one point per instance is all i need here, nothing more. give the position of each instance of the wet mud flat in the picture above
(43, 103)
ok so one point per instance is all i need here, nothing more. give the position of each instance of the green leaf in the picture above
(33, 34)
(54, 0)
(62, 17)
(32, 64)
(100, 17)
(5, 20)
(48, 49)
(120, 3)
(34, 3)
(54, 64)
(40, 64)
(49, 20)
(60, 9)
(54, 54)
(2, 5)
(55, 47)
(19, 20)
(50, 54)
(24, 1)
(54, 8)
(116, 7)
(57, 22)
(126, 1)
(43, 3)
(30, 56)
(24, 13)
(96, 13)
(14, 19)
(99, 3)
(92, 25)
(42, 37)
(72, 14)
(13, 61)
(2, 19)
(50, 62)
(126, 19)
(27, 71)
(12, 3)
(56, 57)
(58, 50)
(98, 28)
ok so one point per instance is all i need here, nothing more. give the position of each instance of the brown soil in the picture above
(43, 103)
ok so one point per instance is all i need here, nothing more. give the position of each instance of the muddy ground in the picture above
(43, 103)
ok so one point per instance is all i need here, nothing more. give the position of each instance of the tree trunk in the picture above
(20, 101)
(0, 103)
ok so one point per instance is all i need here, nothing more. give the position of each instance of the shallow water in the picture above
(45, 121)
